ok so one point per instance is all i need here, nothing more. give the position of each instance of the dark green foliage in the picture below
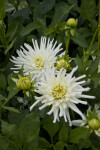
(20, 21)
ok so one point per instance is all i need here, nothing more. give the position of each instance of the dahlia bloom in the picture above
(61, 91)
(37, 59)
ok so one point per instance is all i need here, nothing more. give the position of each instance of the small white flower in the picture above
(37, 59)
(62, 91)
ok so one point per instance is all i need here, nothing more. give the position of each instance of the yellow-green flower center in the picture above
(39, 62)
(59, 91)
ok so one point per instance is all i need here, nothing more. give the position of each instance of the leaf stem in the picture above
(67, 44)
(89, 51)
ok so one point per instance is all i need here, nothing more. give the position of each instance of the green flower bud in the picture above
(24, 83)
(72, 22)
(94, 124)
(62, 63)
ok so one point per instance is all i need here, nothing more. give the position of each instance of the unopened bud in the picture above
(24, 83)
(62, 63)
(94, 124)
(72, 22)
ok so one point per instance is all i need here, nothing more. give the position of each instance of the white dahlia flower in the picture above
(37, 59)
(61, 91)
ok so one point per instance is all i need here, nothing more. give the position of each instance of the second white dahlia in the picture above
(61, 91)
(37, 59)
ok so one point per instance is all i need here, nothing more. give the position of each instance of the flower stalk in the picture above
(67, 44)
(89, 51)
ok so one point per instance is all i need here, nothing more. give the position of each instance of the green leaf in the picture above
(80, 37)
(73, 2)
(60, 12)
(63, 134)
(49, 126)
(8, 129)
(12, 91)
(29, 28)
(46, 6)
(80, 133)
(2, 97)
(43, 143)
(88, 9)
(12, 29)
(2, 34)
(59, 146)
(9, 46)
(37, 149)
(78, 63)
(84, 144)
(93, 67)
(2, 9)
(11, 109)
(4, 143)
(16, 118)
(29, 130)
(95, 140)
(3, 81)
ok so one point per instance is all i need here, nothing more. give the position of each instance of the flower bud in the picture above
(72, 22)
(24, 83)
(62, 63)
(94, 124)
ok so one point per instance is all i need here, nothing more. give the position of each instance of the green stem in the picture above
(89, 51)
(99, 29)
(67, 44)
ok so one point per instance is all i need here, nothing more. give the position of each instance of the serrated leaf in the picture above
(49, 126)
(80, 133)
(63, 134)
(46, 6)
(87, 9)
(60, 12)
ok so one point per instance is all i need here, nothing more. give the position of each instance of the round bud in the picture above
(62, 63)
(23, 83)
(94, 124)
(72, 22)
